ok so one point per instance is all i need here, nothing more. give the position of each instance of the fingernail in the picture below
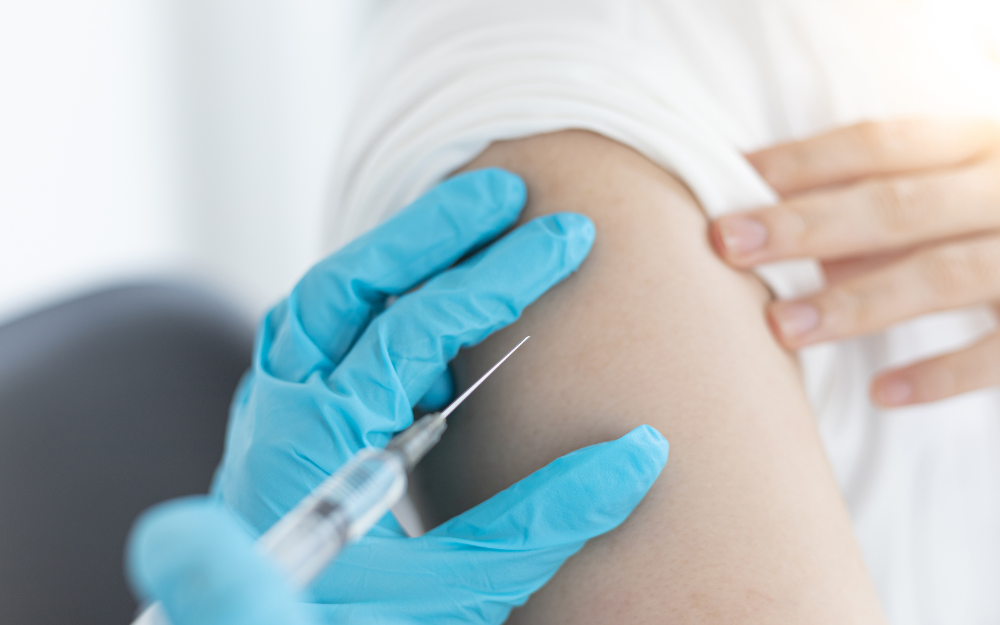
(795, 319)
(894, 393)
(741, 235)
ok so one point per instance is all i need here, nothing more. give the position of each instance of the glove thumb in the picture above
(194, 556)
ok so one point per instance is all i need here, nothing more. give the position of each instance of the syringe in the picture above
(346, 505)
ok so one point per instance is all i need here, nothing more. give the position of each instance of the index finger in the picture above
(520, 536)
(574, 498)
(406, 348)
(339, 296)
(870, 149)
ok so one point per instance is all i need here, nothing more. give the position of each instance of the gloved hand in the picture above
(335, 371)
(196, 557)
(199, 561)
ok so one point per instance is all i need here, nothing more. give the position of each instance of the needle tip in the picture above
(451, 407)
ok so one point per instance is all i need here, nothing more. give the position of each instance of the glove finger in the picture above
(402, 352)
(194, 556)
(515, 542)
(337, 298)
(483, 563)
(572, 499)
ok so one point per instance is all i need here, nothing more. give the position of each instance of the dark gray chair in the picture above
(108, 404)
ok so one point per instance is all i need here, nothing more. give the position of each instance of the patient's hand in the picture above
(906, 217)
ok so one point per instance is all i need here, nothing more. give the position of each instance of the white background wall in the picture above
(187, 138)
(166, 138)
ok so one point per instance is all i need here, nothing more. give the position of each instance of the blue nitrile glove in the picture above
(195, 557)
(199, 561)
(334, 371)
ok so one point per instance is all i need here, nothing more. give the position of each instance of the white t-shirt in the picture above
(692, 85)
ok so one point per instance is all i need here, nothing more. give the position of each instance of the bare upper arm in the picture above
(746, 522)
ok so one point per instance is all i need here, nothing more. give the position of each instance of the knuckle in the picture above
(798, 221)
(850, 308)
(954, 271)
(900, 206)
(878, 139)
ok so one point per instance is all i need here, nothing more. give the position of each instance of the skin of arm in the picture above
(746, 523)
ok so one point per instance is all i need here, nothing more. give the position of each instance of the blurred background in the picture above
(184, 139)
(180, 138)
(163, 179)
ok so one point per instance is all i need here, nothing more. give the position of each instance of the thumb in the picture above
(194, 556)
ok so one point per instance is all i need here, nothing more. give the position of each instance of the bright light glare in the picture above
(966, 36)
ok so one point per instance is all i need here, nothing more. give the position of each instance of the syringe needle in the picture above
(455, 404)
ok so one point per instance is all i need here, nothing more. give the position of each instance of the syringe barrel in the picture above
(340, 510)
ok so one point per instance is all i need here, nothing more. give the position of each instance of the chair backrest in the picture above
(108, 403)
